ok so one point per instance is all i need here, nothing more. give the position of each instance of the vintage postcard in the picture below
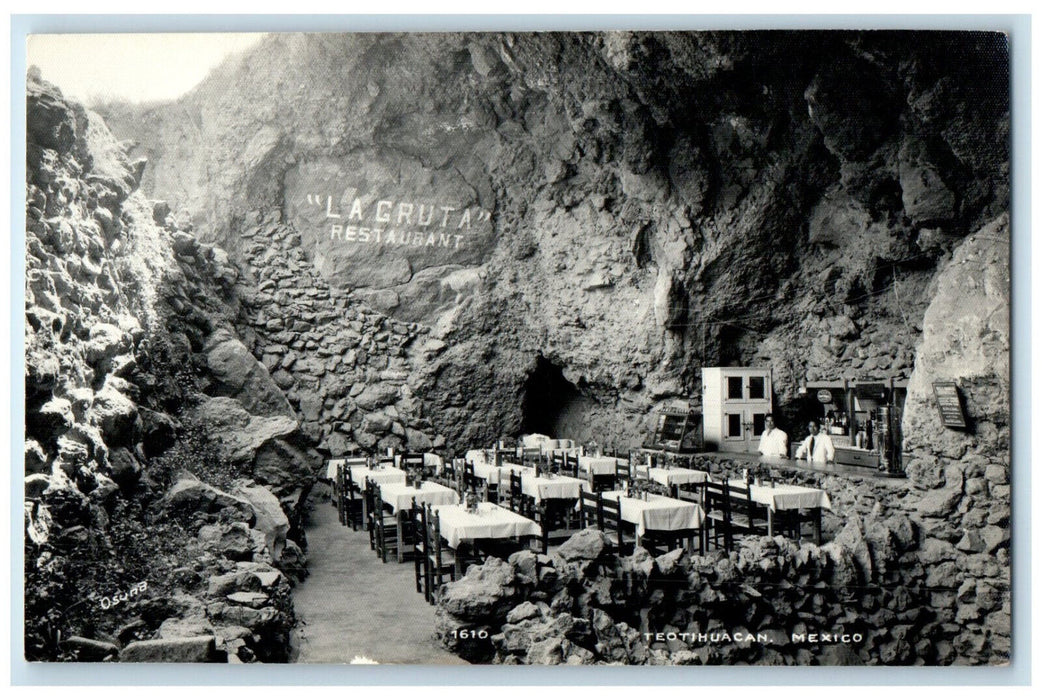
(607, 347)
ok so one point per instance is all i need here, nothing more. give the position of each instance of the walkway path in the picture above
(353, 604)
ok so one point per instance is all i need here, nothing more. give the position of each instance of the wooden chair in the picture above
(369, 498)
(388, 538)
(439, 558)
(557, 462)
(491, 492)
(516, 499)
(590, 510)
(339, 489)
(717, 505)
(351, 501)
(611, 515)
(384, 460)
(747, 516)
(419, 545)
(602, 482)
(622, 470)
(571, 465)
(449, 471)
(469, 479)
(412, 461)
(530, 455)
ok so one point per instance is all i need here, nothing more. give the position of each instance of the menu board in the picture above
(950, 405)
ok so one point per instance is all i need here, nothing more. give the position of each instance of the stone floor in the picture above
(354, 605)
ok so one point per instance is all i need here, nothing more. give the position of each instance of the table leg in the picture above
(770, 522)
(400, 523)
(461, 552)
(817, 525)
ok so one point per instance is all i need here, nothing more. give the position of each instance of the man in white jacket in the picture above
(773, 441)
(818, 446)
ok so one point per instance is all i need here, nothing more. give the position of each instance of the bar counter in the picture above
(804, 465)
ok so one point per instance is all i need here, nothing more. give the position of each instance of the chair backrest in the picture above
(612, 516)
(557, 461)
(378, 501)
(370, 497)
(432, 528)
(590, 510)
(691, 495)
(516, 496)
(469, 479)
(571, 465)
(530, 455)
(350, 488)
(717, 495)
(602, 482)
(449, 469)
(622, 468)
(412, 460)
(491, 492)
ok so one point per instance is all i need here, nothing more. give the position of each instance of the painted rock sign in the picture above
(374, 220)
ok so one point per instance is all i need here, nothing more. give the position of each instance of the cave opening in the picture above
(547, 395)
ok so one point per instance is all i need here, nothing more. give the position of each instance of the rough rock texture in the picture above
(128, 326)
(607, 211)
(768, 602)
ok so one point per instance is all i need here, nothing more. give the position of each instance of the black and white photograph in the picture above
(628, 347)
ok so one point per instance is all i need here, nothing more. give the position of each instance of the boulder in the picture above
(377, 395)
(106, 341)
(270, 518)
(587, 545)
(240, 376)
(50, 421)
(251, 599)
(488, 591)
(232, 540)
(114, 414)
(189, 494)
(185, 627)
(180, 650)
(241, 435)
(90, 649)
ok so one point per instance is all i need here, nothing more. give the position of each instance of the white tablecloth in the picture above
(400, 496)
(786, 497)
(544, 487)
(385, 475)
(669, 477)
(490, 522)
(333, 464)
(658, 512)
(597, 465)
(496, 475)
(432, 460)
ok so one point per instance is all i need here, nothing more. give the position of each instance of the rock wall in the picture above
(347, 371)
(134, 379)
(629, 206)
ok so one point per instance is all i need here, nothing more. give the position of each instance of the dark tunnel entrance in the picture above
(546, 396)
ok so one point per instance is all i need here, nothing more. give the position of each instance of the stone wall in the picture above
(657, 202)
(133, 373)
(348, 371)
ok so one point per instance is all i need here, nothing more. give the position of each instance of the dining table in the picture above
(461, 527)
(653, 512)
(779, 497)
(550, 486)
(597, 466)
(400, 497)
(380, 474)
(676, 476)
